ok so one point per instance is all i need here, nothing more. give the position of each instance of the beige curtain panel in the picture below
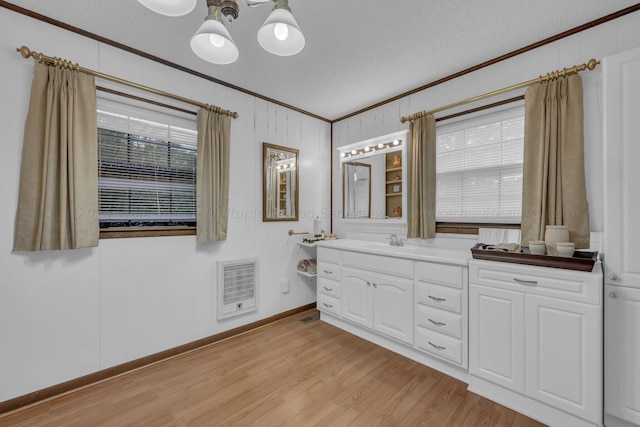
(421, 200)
(58, 193)
(212, 176)
(554, 191)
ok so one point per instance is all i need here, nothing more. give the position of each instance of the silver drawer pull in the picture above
(327, 289)
(439, 347)
(436, 323)
(327, 305)
(526, 282)
(437, 298)
(328, 272)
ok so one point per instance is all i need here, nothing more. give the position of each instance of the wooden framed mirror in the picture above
(280, 182)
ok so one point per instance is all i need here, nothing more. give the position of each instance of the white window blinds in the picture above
(146, 166)
(479, 168)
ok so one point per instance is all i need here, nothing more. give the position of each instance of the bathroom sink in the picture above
(394, 249)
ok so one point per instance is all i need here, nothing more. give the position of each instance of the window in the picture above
(479, 168)
(146, 167)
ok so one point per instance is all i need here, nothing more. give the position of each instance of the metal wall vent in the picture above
(237, 287)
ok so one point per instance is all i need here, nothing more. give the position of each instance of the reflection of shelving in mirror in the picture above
(393, 183)
(282, 192)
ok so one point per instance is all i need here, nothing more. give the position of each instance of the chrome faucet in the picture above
(395, 240)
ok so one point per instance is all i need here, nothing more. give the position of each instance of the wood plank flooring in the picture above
(287, 373)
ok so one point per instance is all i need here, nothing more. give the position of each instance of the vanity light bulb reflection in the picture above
(396, 142)
(381, 146)
(366, 149)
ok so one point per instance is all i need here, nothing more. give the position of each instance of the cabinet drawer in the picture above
(440, 274)
(379, 264)
(329, 287)
(439, 320)
(328, 304)
(439, 296)
(571, 285)
(439, 344)
(328, 270)
(329, 255)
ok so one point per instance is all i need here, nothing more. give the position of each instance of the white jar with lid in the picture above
(554, 234)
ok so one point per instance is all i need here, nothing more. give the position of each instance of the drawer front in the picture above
(439, 297)
(439, 344)
(440, 274)
(329, 287)
(328, 304)
(329, 255)
(571, 285)
(379, 264)
(328, 270)
(439, 320)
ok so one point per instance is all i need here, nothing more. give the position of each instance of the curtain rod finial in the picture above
(591, 65)
(24, 51)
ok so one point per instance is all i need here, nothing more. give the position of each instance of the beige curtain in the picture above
(212, 182)
(554, 190)
(58, 193)
(421, 200)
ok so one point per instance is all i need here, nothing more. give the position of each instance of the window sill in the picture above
(468, 228)
(130, 232)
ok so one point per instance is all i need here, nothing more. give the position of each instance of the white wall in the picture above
(606, 39)
(67, 314)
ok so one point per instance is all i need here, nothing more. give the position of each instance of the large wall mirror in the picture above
(280, 183)
(374, 178)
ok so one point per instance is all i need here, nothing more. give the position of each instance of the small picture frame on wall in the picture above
(396, 189)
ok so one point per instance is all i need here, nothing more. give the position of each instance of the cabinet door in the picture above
(393, 307)
(496, 336)
(564, 356)
(622, 353)
(356, 296)
(621, 90)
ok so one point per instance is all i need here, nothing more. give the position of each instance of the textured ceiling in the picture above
(357, 53)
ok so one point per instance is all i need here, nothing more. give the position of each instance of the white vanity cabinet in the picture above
(536, 340)
(383, 302)
(329, 285)
(410, 300)
(441, 311)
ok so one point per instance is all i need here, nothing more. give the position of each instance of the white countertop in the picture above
(418, 253)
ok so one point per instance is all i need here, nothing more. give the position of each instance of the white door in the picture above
(621, 97)
(621, 90)
(393, 307)
(563, 355)
(496, 336)
(356, 296)
(622, 353)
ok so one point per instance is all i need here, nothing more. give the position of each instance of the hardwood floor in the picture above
(287, 373)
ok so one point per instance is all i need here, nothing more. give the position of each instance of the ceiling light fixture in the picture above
(280, 34)
(212, 41)
(170, 7)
